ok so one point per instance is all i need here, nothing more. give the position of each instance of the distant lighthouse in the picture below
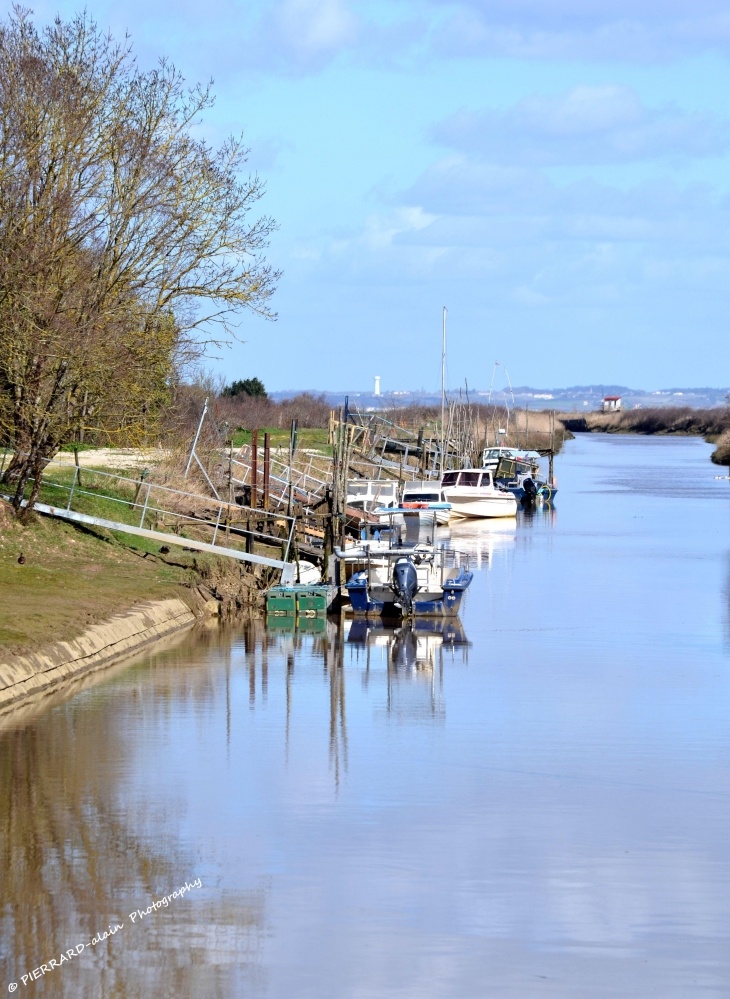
(377, 385)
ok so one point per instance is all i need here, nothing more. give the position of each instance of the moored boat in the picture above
(400, 581)
(472, 493)
(370, 495)
(423, 498)
(521, 476)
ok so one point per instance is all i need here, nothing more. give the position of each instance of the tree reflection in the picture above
(76, 857)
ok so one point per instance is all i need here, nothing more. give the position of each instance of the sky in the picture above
(554, 172)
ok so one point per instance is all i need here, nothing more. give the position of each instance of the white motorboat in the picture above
(420, 496)
(371, 494)
(472, 493)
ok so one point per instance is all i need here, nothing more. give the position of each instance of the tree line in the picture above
(127, 243)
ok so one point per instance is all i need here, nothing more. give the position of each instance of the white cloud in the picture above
(302, 35)
(629, 30)
(476, 197)
(313, 27)
(294, 37)
(510, 236)
(587, 124)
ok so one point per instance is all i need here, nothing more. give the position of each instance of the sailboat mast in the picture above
(443, 387)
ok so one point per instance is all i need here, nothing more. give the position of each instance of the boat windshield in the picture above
(469, 479)
(487, 479)
(450, 479)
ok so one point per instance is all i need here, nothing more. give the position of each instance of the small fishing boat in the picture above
(472, 493)
(425, 495)
(521, 476)
(425, 499)
(389, 580)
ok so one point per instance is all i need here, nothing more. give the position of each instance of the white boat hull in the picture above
(469, 503)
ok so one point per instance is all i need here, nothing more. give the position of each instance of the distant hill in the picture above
(576, 398)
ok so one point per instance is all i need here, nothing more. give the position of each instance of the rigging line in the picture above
(510, 388)
(491, 384)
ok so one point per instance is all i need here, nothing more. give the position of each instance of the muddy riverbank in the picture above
(713, 425)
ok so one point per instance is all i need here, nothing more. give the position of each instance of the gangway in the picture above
(160, 504)
(307, 482)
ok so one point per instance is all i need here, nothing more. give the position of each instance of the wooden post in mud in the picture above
(292, 449)
(552, 447)
(254, 468)
(329, 535)
(346, 451)
(78, 472)
(230, 493)
(267, 468)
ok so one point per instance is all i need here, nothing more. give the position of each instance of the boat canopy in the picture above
(492, 454)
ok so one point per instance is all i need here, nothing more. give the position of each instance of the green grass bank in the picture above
(71, 577)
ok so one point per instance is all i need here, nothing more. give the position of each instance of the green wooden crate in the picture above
(281, 600)
(312, 600)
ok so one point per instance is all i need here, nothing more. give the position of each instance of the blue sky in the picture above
(555, 172)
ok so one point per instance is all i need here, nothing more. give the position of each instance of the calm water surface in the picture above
(536, 803)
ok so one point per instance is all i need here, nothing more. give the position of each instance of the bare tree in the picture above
(124, 239)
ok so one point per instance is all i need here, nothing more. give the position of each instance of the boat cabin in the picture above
(475, 478)
(419, 491)
(370, 494)
(515, 468)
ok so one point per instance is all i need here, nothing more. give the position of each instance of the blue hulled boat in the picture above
(401, 581)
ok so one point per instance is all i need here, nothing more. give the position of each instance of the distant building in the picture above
(377, 385)
(612, 404)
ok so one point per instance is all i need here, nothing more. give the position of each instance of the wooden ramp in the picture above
(138, 507)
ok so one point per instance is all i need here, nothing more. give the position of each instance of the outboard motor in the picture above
(405, 583)
(530, 490)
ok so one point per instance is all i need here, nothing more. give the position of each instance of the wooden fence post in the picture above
(254, 468)
(267, 469)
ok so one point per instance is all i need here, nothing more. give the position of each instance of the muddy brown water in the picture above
(531, 802)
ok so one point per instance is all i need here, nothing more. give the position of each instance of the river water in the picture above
(534, 802)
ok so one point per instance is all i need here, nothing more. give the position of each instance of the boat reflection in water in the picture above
(412, 657)
(474, 542)
(404, 661)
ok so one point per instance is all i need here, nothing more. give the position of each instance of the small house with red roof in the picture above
(612, 404)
